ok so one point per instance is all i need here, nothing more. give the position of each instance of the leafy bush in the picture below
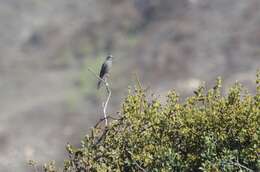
(206, 132)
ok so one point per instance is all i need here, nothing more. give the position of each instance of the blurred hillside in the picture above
(49, 98)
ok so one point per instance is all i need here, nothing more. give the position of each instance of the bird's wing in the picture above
(103, 70)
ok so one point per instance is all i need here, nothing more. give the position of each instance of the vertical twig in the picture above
(138, 81)
(108, 97)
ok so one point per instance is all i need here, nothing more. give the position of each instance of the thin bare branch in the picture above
(241, 166)
(102, 119)
(101, 137)
(89, 69)
(141, 168)
(108, 97)
(138, 81)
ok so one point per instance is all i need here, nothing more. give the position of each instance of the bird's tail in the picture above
(99, 84)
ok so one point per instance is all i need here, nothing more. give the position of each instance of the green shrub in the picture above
(206, 132)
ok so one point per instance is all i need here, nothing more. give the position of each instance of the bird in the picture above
(105, 69)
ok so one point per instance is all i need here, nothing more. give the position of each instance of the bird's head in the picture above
(110, 57)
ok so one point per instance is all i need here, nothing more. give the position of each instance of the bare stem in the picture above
(96, 75)
(141, 168)
(241, 166)
(108, 97)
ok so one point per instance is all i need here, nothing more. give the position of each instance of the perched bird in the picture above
(105, 69)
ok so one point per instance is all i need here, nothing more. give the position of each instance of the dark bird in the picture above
(105, 69)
